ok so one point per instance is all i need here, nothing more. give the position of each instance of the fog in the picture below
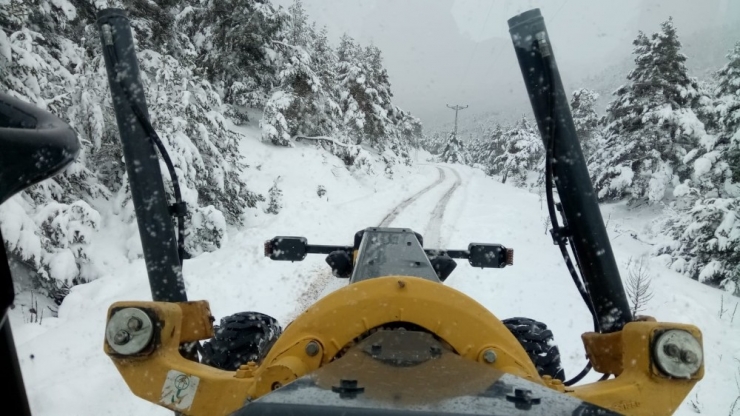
(440, 52)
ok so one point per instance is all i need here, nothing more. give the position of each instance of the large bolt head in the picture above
(489, 356)
(689, 357)
(312, 348)
(134, 323)
(129, 331)
(671, 350)
(121, 337)
(677, 353)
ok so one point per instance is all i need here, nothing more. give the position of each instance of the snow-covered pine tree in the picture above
(475, 150)
(48, 228)
(651, 125)
(234, 40)
(433, 143)
(707, 234)
(52, 58)
(522, 152)
(303, 103)
(379, 126)
(454, 151)
(350, 87)
(275, 202)
(728, 111)
(585, 118)
(494, 146)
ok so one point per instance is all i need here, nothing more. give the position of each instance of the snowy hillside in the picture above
(67, 373)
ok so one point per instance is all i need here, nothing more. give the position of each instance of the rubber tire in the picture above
(539, 343)
(241, 338)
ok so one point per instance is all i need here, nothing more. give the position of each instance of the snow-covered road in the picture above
(66, 372)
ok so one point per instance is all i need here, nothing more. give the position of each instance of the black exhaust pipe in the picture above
(580, 209)
(156, 230)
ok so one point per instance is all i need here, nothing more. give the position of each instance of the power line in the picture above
(475, 47)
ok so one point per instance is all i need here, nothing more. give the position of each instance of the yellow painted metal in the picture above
(464, 324)
(640, 389)
(337, 321)
(218, 392)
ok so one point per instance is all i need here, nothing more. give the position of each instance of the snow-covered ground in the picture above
(67, 373)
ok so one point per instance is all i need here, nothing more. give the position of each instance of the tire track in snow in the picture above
(410, 200)
(433, 231)
(324, 280)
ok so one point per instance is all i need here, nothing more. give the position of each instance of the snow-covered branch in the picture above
(320, 138)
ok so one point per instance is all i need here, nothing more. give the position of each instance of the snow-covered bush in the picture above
(707, 245)
(275, 201)
(206, 230)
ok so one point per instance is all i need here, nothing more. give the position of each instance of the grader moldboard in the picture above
(395, 340)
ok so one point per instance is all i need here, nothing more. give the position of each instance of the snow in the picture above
(5, 51)
(68, 9)
(63, 265)
(69, 373)
(18, 230)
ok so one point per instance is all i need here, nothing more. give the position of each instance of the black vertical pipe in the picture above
(15, 402)
(589, 239)
(156, 230)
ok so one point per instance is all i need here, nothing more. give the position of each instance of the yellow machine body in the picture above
(341, 319)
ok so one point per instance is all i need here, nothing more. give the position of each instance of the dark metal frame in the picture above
(585, 226)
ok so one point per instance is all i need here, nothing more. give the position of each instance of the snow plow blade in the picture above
(411, 373)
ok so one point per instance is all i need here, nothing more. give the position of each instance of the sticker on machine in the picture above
(179, 390)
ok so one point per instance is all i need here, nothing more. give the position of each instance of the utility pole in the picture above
(456, 108)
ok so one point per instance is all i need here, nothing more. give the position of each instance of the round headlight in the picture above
(129, 331)
(678, 353)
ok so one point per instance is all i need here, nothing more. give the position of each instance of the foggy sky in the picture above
(441, 52)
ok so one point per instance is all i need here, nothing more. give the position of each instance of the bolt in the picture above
(122, 337)
(523, 399)
(312, 348)
(489, 356)
(671, 350)
(436, 350)
(689, 357)
(134, 323)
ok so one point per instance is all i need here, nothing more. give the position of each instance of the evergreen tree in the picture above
(454, 151)
(522, 153)
(585, 118)
(706, 234)
(52, 58)
(47, 227)
(728, 111)
(651, 125)
(351, 77)
(302, 103)
(475, 150)
(235, 42)
(495, 146)
(433, 143)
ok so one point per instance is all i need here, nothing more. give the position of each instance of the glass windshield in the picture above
(600, 141)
